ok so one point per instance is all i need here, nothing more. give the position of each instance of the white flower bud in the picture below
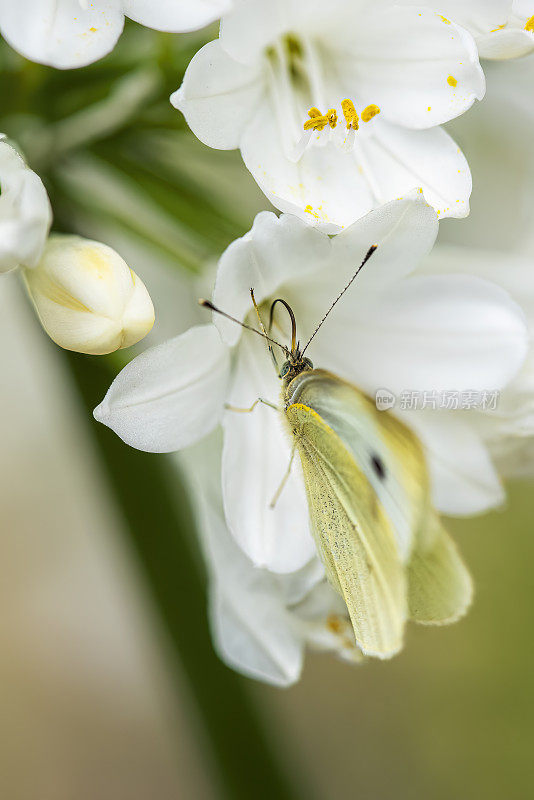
(25, 213)
(87, 298)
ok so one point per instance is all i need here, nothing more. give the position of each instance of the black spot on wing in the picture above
(378, 466)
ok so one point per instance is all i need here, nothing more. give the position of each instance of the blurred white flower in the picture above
(73, 33)
(398, 328)
(87, 298)
(25, 213)
(280, 66)
(502, 28)
(508, 429)
(497, 240)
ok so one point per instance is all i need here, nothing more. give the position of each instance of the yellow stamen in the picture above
(318, 121)
(316, 124)
(332, 117)
(451, 80)
(369, 112)
(350, 114)
(530, 25)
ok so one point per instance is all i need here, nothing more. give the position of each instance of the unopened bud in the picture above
(87, 298)
(25, 213)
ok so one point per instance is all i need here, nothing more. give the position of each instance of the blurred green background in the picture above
(110, 687)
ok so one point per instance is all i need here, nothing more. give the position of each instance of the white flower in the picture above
(279, 63)
(397, 328)
(502, 28)
(73, 33)
(87, 298)
(497, 240)
(25, 214)
(508, 429)
(261, 623)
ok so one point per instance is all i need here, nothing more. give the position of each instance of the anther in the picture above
(369, 112)
(530, 25)
(318, 121)
(350, 114)
(332, 117)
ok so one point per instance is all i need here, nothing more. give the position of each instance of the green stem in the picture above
(149, 496)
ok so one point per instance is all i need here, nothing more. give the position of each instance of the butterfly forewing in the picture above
(386, 451)
(353, 534)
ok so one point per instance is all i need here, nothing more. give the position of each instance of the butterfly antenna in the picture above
(340, 295)
(257, 310)
(291, 316)
(208, 304)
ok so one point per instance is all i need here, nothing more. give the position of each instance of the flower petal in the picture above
(510, 42)
(256, 456)
(251, 626)
(398, 160)
(275, 250)
(464, 480)
(477, 16)
(218, 97)
(420, 69)
(513, 272)
(404, 230)
(171, 395)
(176, 15)
(25, 213)
(497, 25)
(62, 33)
(253, 634)
(435, 333)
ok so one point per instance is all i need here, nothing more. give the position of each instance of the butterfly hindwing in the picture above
(440, 587)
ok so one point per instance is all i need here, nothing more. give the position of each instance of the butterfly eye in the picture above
(286, 366)
(378, 466)
(307, 363)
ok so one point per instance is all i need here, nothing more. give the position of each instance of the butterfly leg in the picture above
(284, 479)
(252, 407)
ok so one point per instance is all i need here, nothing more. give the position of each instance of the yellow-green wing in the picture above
(438, 585)
(353, 534)
(385, 450)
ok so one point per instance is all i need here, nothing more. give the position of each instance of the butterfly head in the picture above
(294, 365)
